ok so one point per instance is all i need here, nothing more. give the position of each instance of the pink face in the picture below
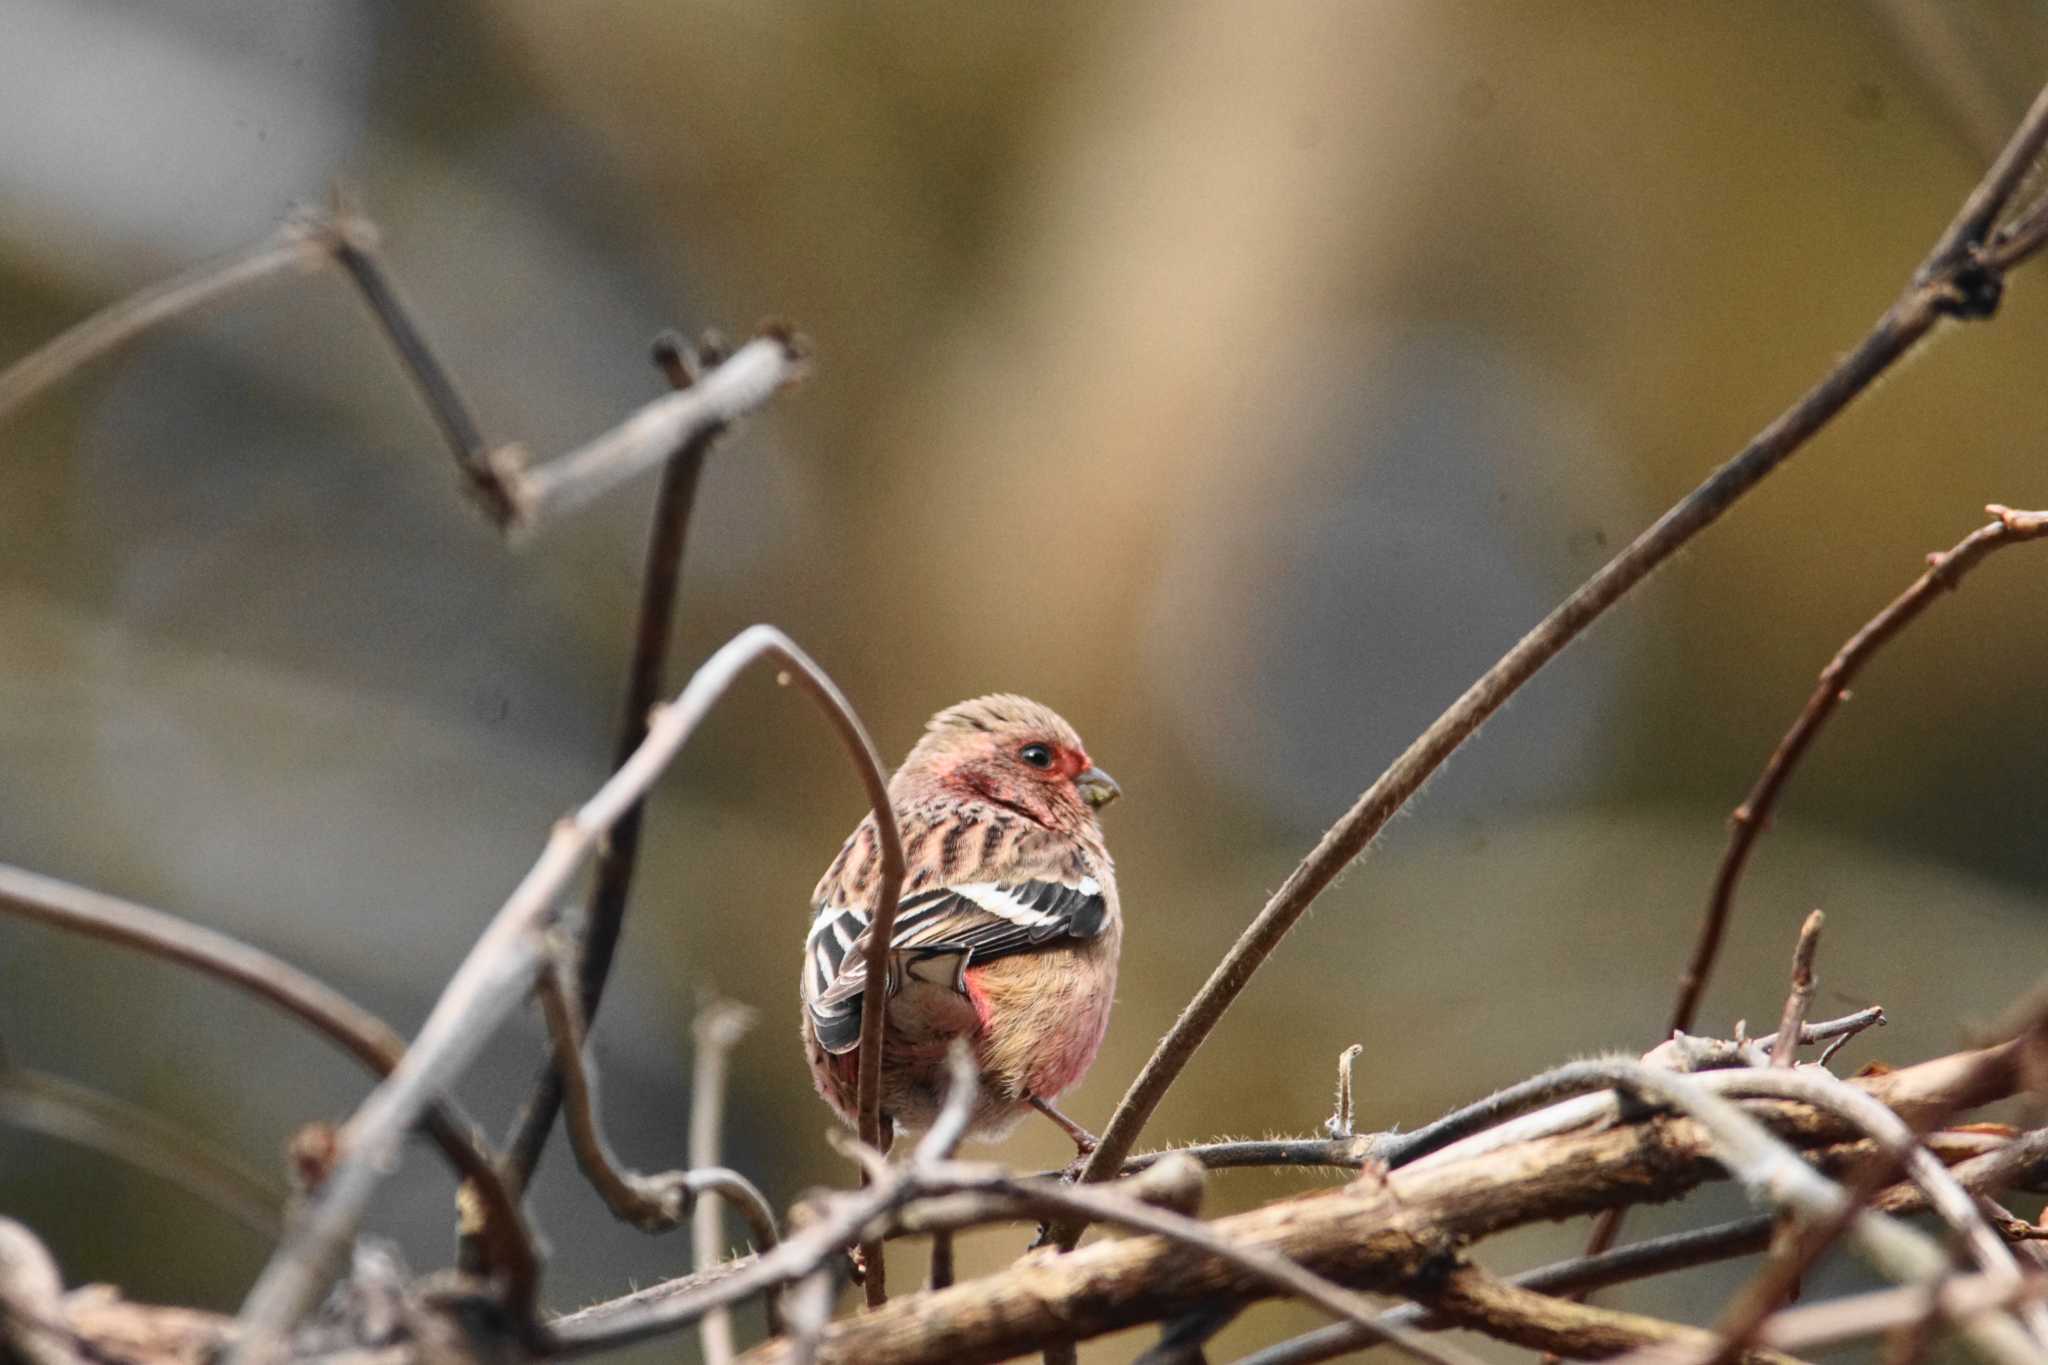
(1040, 775)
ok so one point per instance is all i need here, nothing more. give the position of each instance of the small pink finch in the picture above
(1006, 933)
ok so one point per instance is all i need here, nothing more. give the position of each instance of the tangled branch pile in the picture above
(1827, 1158)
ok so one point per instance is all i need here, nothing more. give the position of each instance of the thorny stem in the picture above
(1952, 282)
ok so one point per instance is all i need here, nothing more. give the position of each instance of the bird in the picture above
(1007, 925)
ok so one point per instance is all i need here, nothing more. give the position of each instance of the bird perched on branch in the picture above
(1007, 927)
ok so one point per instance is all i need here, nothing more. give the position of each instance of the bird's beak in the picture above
(1097, 787)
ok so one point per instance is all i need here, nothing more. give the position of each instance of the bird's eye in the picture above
(1037, 755)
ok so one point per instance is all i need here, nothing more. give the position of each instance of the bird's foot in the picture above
(1085, 1142)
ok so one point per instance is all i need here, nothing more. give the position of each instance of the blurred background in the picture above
(1240, 380)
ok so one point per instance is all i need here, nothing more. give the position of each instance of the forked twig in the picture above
(498, 973)
(1957, 280)
(515, 495)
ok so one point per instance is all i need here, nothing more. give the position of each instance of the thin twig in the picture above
(719, 1027)
(1862, 1315)
(874, 1003)
(130, 1133)
(1949, 283)
(304, 243)
(1339, 1124)
(651, 1203)
(497, 974)
(756, 372)
(514, 495)
(334, 1016)
(943, 1139)
(354, 240)
(1785, 1051)
(1748, 820)
(809, 1312)
(653, 629)
(1944, 572)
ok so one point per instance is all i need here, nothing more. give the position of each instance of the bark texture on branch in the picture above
(1395, 1235)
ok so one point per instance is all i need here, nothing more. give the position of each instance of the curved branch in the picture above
(1944, 572)
(364, 1036)
(651, 1203)
(1951, 282)
(498, 973)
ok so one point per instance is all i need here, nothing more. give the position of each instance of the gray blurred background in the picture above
(1238, 379)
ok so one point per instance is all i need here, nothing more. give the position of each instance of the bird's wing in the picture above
(936, 935)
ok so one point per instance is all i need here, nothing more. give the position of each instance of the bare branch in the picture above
(364, 1036)
(1945, 1194)
(305, 243)
(651, 1203)
(1993, 1069)
(354, 244)
(754, 374)
(497, 974)
(1475, 1299)
(1944, 572)
(1862, 1315)
(1371, 1235)
(1785, 1051)
(1339, 1123)
(516, 497)
(1948, 284)
(653, 629)
(720, 1025)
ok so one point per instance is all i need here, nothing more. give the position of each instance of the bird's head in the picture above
(1009, 751)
